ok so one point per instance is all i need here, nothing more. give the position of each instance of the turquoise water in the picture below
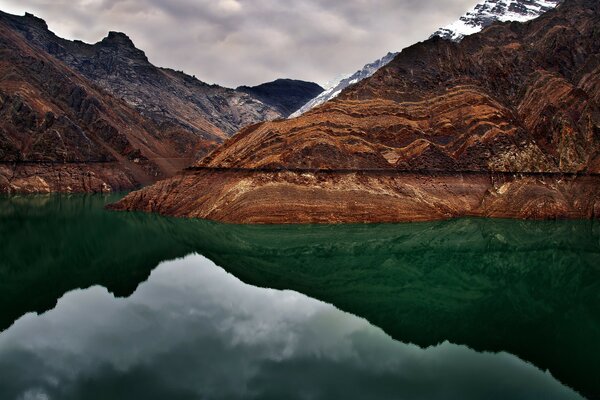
(495, 300)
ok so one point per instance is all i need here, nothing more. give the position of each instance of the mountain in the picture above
(505, 123)
(144, 122)
(172, 99)
(481, 16)
(337, 88)
(284, 95)
(489, 11)
(59, 132)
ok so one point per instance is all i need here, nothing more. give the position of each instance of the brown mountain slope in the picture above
(500, 124)
(58, 132)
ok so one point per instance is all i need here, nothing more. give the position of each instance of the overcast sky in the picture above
(235, 42)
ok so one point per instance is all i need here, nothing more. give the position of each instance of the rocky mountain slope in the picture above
(58, 132)
(481, 16)
(337, 88)
(505, 123)
(172, 99)
(285, 95)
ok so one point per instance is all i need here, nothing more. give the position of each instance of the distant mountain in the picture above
(172, 99)
(489, 11)
(481, 16)
(336, 89)
(285, 95)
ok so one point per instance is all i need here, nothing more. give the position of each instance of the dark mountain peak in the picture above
(33, 20)
(286, 95)
(120, 43)
(118, 38)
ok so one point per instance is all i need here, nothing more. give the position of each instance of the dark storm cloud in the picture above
(233, 42)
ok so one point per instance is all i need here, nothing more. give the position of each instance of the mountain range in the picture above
(505, 123)
(480, 16)
(110, 112)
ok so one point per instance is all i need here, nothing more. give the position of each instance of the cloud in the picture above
(234, 42)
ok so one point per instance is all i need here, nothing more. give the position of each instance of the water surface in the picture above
(528, 289)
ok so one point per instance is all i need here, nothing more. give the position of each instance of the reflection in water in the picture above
(194, 331)
(529, 288)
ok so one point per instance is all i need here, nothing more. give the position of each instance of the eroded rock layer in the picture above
(345, 197)
(519, 100)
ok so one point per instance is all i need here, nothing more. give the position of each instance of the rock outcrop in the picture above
(505, 123)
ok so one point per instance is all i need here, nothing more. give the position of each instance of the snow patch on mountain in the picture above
(489, 11)
(335, 89)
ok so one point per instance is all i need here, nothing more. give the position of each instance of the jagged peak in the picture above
(35, 20)
(119, 38)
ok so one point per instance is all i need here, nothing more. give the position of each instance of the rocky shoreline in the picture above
(283, 197)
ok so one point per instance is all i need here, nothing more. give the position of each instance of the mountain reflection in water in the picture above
(525, 287)
(194, 331)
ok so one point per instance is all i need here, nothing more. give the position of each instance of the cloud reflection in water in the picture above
(194, 331)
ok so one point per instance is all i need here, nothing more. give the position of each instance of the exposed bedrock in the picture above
(345, 197)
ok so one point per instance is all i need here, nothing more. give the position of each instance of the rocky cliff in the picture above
(504, 123)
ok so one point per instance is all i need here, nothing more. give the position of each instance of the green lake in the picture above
(97, 304)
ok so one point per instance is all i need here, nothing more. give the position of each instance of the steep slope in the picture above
(337, 88)
(481, 16)
(173, 100)
(60, 133)
(505, 123)
(285, 95)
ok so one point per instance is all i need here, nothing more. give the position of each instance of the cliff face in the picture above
(60, 133)
(173, 100)
(518, 102)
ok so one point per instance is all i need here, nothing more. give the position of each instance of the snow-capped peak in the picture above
(489, 11)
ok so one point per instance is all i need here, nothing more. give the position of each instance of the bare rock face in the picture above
(58, 132)
(269, 197)
(443, 120)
